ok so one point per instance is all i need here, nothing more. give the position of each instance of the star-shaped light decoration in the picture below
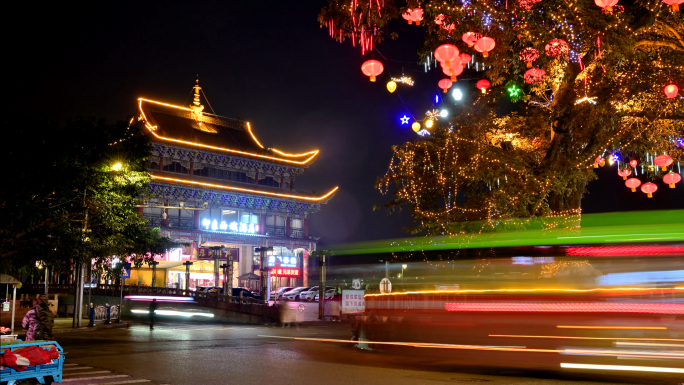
(513, 91)
(434, 114)
(404, 120)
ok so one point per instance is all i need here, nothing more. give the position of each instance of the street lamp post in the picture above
(264, 271)
(187, 275)
(154, 272)
(403, 266)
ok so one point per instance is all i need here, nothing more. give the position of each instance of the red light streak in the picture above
(644, 308)
(621, 251)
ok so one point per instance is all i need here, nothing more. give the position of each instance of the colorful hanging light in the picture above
(485, 45)
(465, 58)
(671, 90)
(663, 161)
(445, 53)
(443, 23)
(372, 68)
(649, 188)
(417, 15)
(534, 75)
(415, 126)
(452, 71)
(607, 5)
(529, 55)
(471, 38)
(671, 178)
(633, 183)
(633, 163)
(445, 84)
(482, 85)
(599, 161)
(557, 48)
(624, 173)
(391, 86)
(674, 4)
(528, 4)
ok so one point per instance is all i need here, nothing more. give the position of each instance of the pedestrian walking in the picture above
(46, 318)
(153, 309)
(30, 322)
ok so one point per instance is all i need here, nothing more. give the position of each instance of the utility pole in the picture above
(264, 271)
(187, 274)
(321, 288)
(217, 255)
(78, 270)
(154, 272)
(225, 289)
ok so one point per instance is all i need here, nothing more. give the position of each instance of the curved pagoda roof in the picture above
(184, 126)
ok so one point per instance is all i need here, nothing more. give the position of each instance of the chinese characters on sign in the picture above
(249, 228)
(353, 302)
(279, 272)
(283, 261)
(205, 253)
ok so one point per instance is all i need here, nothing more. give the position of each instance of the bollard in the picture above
(91, 324)
(109, 314)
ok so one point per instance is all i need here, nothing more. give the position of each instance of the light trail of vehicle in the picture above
(536, 290)
(636, 354)
(590, 338)
(622, 368)
(620, 343)
(613, 327)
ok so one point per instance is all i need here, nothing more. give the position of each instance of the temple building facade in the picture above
(214, 184)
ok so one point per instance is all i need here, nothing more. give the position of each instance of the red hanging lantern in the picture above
(443, 23)
(674, 4)
(599, 161)
(671, 178)
(607, 5)
(663, 161)
(445, 84)
(471, 38)
(649, 188)
(417, 15)
(625, 173)
(633, 183)
(408, 16)
(529, 55)
(633, 163)
(465, 59)
(485, 45)
(557, 48)
(482, 85)
(372, 68)
(528, 4)
(671, 90)
(534, 75)
(446, 53)
(452, 71)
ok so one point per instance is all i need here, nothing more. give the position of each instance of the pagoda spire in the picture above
(196, 107)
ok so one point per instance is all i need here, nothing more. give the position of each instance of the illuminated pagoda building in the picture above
(215, 185)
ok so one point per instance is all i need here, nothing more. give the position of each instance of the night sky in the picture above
(268, 63)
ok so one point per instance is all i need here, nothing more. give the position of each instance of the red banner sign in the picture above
(284, 272)
(205, 253)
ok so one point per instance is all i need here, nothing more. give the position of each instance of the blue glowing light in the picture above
(436, 98)
(404, 120)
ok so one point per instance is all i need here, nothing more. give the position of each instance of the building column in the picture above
(256, 178)
(165, 216)
(282, 181)
(191, 170)
(262, 224)
(305, 226)
(196, 218)
(287, 227)
(161, 163)
(291, 183)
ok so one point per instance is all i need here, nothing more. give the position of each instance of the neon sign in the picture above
(279, 272)
(249, 228)
(284, 261)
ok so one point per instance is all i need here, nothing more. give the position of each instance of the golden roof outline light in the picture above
(153, 128)
(246, 190)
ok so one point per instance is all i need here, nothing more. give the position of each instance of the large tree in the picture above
(62, 179)
(601, 95)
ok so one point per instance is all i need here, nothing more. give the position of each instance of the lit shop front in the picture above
(285, 268)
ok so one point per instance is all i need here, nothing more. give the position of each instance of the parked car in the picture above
(293, 295)
(236, 291)
(310, 294)
(278, 293)
(329, 294)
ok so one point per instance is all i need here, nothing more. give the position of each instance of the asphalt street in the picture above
(210, 353)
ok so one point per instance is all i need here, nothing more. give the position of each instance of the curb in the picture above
(87, 329)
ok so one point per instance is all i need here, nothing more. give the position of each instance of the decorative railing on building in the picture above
(275, 231)
(154, 220)
(296, 233)
(185, 223)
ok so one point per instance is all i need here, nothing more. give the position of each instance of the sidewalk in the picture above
(63, 325)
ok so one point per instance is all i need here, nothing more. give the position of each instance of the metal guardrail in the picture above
(244, 305)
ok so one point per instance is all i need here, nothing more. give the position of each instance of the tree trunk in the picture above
(569, 202)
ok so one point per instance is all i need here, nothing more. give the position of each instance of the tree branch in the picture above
(659, 43)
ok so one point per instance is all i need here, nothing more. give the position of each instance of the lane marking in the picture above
(69, 364)
(79, 368)
(121, 382)
(621, 367)
(94, 378)
(80, 374)
(590, 338)
(619, 343)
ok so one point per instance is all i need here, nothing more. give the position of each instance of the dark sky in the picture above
(266, 62)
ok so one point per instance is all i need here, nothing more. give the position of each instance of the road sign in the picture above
(125, 271)
(385, 286)
(301, 308)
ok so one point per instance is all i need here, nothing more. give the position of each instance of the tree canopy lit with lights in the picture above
(591, 85)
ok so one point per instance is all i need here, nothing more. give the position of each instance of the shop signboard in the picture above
(207, 254)
(284, 272)
(5, 306)
(126, 271)
(353, 302)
